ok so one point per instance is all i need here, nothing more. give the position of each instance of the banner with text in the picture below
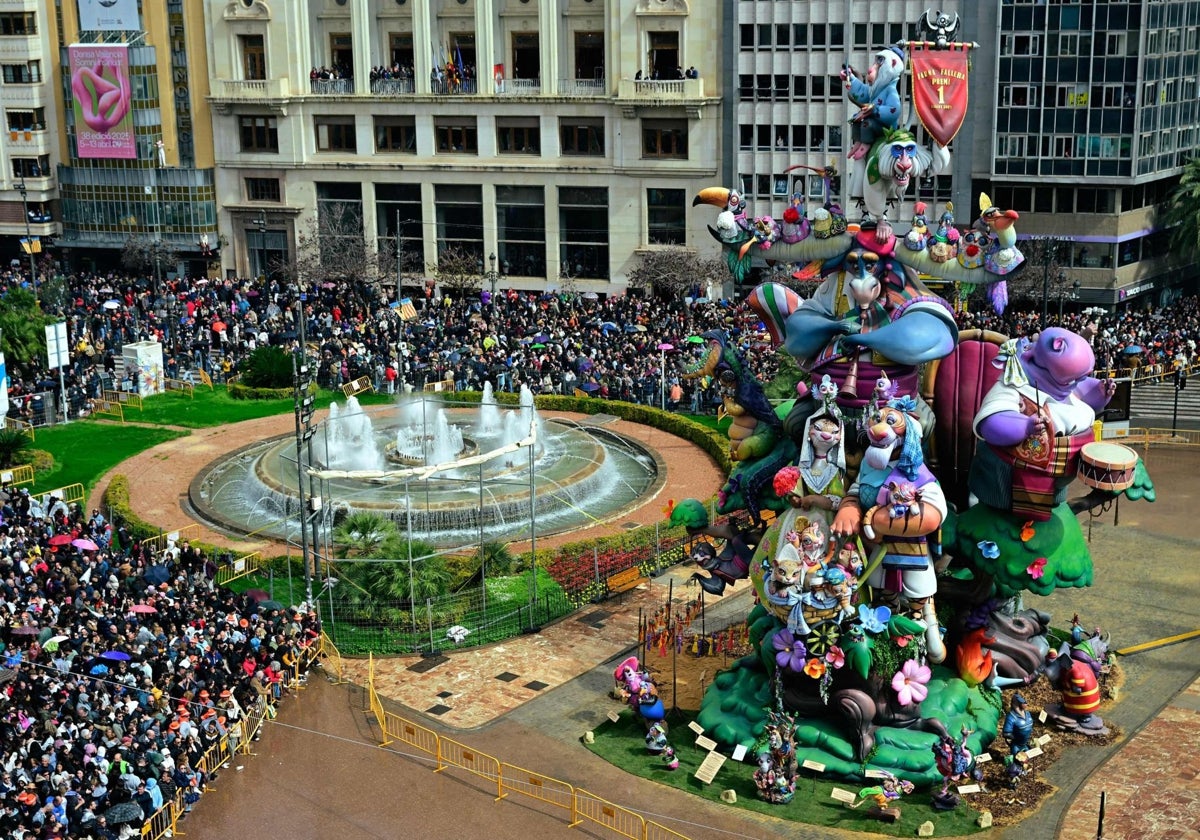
(102, 100)
(96, 15)
(939, 89)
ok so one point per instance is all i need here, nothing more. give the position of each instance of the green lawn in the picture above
(623, 744)
(207, 408)
(85, 450)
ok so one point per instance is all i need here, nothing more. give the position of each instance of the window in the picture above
(459, 209)
(581, 136)
(1114, 44)
(783, 34)
(399, 208)
(18, 23)
(819, 37)
(518, 136)
(254, 56)
(583, 231)
(396, 134)
(764, 36)
(1010, 145)
(837, 34)
(1023, 96)
(800, 34)
(664, 139)
(335, 134)
(340, 225)
(259, 134)
(38, 167)
(400, 49)
(341, 52)
(263, 189)
(456, 134)
(746, 35)
(34, 120)
(22, 74)
(1068, 45)
(1020, 45)
(666, 216)
(521, 230)
(589, 55)
(1064, 147)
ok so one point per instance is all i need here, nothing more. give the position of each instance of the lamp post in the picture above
(1064, 295)
(28, 238)
(662, 373)
(491, 276)
(261, 223)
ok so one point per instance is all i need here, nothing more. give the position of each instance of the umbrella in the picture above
(115, 655)
(123, 812)
(57, 639)
(608, 326)
(60, 539)
(218, 326)
(1132, 350)
(26, 630)
(590, 296)
(269, 605)
(142, 608)
(538, 346)
(112, 304)
(695, 339)
(45, 635)
(639, 328)
(664, 346)
(85, 544)
(631, 662)
(542, 337)
(256, 594)
(589, 387)
(631, 328)
(157, 574)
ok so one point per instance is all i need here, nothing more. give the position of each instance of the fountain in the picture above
(582, 474)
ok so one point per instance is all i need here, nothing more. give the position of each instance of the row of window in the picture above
(21, 74)
(1082, 95)
(785, 138)
(661, 138)
(1094, 146)
(766, 36)
(1068, 200)
(774, 87)
(18, 23)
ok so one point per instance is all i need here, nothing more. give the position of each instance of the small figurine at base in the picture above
(656, 738)
(670, 759)
(956, 763)
(884, 796)
(1080, 692)
(775, 777)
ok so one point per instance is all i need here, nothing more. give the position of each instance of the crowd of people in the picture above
(121, 668)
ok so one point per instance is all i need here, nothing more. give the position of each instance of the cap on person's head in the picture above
(1018, 699)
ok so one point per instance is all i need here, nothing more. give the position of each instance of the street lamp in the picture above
(662, 373)
(28, 237)
(1064, 295)
(261, 223)
(491, 276)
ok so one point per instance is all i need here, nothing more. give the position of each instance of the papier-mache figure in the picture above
(877, 97)
(1018, 725)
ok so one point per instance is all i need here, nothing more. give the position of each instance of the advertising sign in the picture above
(102, 100)
(109, 14)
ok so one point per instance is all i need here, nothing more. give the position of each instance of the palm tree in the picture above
(1181, 213)
(22, 338)
(15, 447)
(361, 534)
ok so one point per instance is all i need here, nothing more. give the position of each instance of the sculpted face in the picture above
(1057, 361)
(825, 433)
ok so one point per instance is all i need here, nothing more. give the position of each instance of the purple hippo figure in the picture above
(1034, 421)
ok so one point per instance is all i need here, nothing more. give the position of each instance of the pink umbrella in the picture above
(142, 608)
(85, 544)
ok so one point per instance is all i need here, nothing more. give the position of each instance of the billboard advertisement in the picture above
(109, 14)
(102, 100)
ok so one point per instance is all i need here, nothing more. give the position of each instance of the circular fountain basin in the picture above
(582, 475)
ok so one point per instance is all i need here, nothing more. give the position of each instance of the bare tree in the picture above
(457, 271)
(146, 255)
(335, 247)
(1045, 272)
(671, 271)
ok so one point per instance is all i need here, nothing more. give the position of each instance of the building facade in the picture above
(1094, 113)
(562, 136)
(156, 187)
(29, 153)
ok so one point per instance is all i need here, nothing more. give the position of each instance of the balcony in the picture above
(32, 143)
(331, 87)
(661, 93)
(252, 90)
(519, 87)
(26, 95)
(445, 87)
(392, 87)
(583, 87)
(18, 49)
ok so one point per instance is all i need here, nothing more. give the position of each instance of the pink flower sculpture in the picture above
(835, 658)
(910, 681)
(1037, 568)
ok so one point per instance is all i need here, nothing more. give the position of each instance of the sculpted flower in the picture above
(989, 549)
(790, 651)
(874, 620)
(1037, 568)
(835, 657)
(1027, 531)
(815, 668)
(910, 681)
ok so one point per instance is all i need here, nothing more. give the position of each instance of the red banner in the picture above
(939, 90)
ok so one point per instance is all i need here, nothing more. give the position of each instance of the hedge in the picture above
(238, 391)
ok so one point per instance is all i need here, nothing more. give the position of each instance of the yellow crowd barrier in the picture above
(333, 663)
(16, 476)
(108, 408)
(21, 426)
(241, 567)
(159, 542)
(620, 820)
(205, 379)
(124, 398)
(509, 778)
(179, 385)
(71, 494)
(1146, 438)
(358, 386)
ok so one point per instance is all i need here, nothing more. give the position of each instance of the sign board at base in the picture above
(706, 743)
(1043, 740)
(695, 727)
(983, 758)
(843, 796)
(707, 771)
(615, 717)
(968, 788)
(876, 774)
(739, 752)
(1033, 753)
(1042, 716)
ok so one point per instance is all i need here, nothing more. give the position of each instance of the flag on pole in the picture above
(458, 56)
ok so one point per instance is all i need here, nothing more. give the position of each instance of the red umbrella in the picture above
(60, 539)
(142, 608)
(257, 594)
(85, 544)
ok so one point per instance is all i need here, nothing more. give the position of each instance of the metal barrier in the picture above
(108, 408)
(452, 753)
(124, 398)
(654, 831)
(71, 494)
(1146, 373)
(180, 385)
(624, 822)
(358, 386)
(536, 786)
(159, 542)
(21, 426)
(247, 564)
(333, 663)
(16, 476)
(440, 386)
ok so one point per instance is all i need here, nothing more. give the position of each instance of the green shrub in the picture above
(15, 448)
(268, 367)
(238, 391)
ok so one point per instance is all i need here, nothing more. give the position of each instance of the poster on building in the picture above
(102, 100)
(109, 14)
